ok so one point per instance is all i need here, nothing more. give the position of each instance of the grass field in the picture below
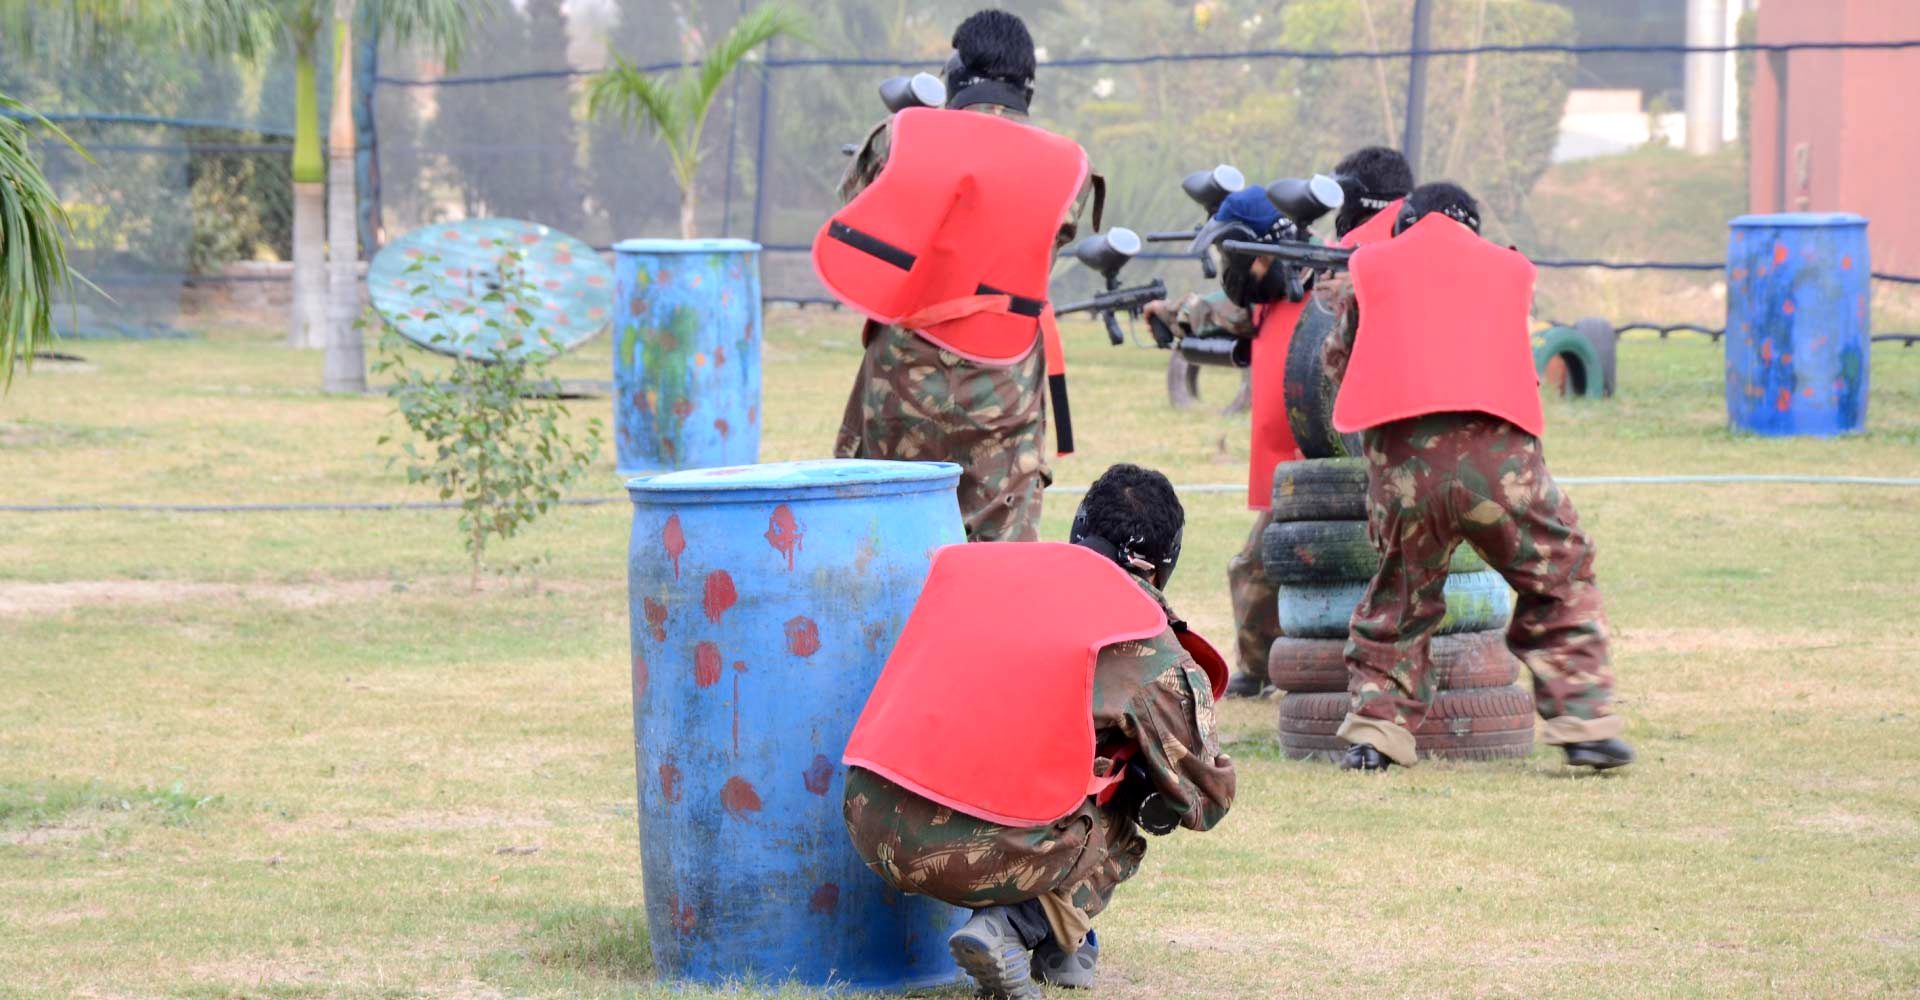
(289, 755)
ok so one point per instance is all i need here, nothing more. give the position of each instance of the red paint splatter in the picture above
(803, 636)
(683, 915)
(675, 541)
(825, 899)
(595, 280)
(563, 258)
(706, 665)
(1784, 402)
(720, 595)
(1779, 253)
(529, 238)
(720, 424)
(818, 777)
(682, 407)
(720, 355)
(656, 619)
(636, 304)
(1766, 351)
(1739, 274)
(666, 452)
(1786, 359)
(753, 414)
(873, 632)
(1787, 307)
(551, 284)
(783, 532)
(1807, 393)
(1846, 262)
(639, 678)
(670, 781)
(738, 797)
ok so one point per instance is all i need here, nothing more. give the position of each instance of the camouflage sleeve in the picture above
(867, 162)
(1337, 295)
(1070, 226)
(1215, 309)
(1179, 745)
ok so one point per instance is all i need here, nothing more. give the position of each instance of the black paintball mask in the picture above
(1458, 213)
(965, 88)
(1362, 203)
(1246, 289)
(1130, 554)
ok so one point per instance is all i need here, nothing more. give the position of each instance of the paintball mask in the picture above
(1131, 555)
(1458, 213)
(966, 88)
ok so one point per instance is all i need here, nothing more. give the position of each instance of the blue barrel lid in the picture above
(1807, 220)
(686, 246)
(840, 476)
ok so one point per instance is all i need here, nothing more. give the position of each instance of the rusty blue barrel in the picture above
(764, 602)
(686, 354)
(1799, 297)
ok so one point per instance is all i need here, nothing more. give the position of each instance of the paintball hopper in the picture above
(1210, 187)
(921, 90)
(1108, 252)
(1304, 202)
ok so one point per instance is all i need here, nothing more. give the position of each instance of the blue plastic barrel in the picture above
(1799, 295)
(686, 354)
(764, 602)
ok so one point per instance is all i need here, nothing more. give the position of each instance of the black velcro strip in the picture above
(873, 245)
(1062, 417)
(1020, 306)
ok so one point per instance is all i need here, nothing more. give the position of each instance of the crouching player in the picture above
(1432, 353)
(1042, 707)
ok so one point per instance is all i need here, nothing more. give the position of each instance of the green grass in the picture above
(289, 755)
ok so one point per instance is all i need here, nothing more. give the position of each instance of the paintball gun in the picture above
(898, 93)
(1301, 203)
(1106, 254)
(1208, 188)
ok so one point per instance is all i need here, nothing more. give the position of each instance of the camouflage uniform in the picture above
(1434, 482)
(1256, 601)
(1150, 695)
(914, 402)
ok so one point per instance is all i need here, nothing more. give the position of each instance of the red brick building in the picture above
(1850, 138)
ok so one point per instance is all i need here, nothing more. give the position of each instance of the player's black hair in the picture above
(1371, 178)
(1129, 503)
(995, 44)
(1445, 197)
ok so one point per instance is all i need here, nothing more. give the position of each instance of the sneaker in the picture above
(1363, 757)
(1599, 754)
(990, 950)
(1246, 686)
(1052, 965)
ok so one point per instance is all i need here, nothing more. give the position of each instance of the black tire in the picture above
(1460, 662)
(1605, 340)
(1309, 394)
(1333, 552)
(1476, 602)
(1575, 353)
(1320, 489)
(1476, 724)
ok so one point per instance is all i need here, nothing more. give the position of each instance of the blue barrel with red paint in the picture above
(686, 354)
(764, 602)
(1799, 300)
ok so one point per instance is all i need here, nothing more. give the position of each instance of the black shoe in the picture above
(1363, 757)
(1599, 754)
(1246, 686)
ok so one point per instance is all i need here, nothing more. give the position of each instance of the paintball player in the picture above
(955, 364)
(1372, 179)
(1041, 707)
(1431, 353)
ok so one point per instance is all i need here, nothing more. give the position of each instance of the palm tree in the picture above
(33, 260)
(674, 109)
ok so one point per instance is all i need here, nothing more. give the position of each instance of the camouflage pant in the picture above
(1432, 483)
(920, 846)
(913, 402)
(1256, 607)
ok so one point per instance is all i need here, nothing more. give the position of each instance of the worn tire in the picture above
(1460, 662)
(1584, 373)
(1320, 489)
(1475, 724)
(1605, 340)
(1309, 394)
(1333, 552)
(1476, 602)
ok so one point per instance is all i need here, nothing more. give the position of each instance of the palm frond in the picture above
(754, 29)
(636, 98)
(246, 28)
(443, 24)
(33, 257)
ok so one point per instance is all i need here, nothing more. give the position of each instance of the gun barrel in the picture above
(1129, 299)
(1319, 258)
(1172, 236)
(1220, 350)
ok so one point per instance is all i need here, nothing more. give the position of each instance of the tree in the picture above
(33, 258)
(674, 109)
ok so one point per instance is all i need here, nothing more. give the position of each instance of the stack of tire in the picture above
(1319, 557)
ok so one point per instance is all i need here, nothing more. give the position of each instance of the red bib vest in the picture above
(1443, 328)
(954, 238)
(985, 704)
(1272, 439)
